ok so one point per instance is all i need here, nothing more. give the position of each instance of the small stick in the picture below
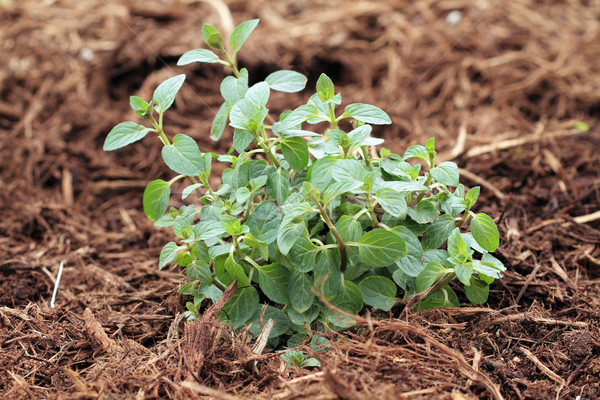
(261, 342)
(58, 276)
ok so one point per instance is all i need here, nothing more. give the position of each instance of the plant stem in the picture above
(335, 233)
(159, 129)
(418, 199)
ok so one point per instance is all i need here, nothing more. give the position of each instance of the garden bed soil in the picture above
(504, 90)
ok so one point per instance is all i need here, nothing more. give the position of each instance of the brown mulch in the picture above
(501, 91)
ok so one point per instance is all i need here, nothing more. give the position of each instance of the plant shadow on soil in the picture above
(501, 91)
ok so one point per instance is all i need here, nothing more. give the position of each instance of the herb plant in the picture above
(307, 221)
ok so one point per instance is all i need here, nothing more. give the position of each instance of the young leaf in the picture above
(220, 121)
(124, 134)
(138, 105)
(234, 89)
(274, 280)
(471, 196)
(167, 254)
(380, 248)
(325, 88)
(212, 36)
(320, 173)
(416, 151)
(478, 291)
(165, 93)
(286, 81)
(183, 156)
(367, 113)
(300, 291)
(338, 188)
(241, 307)
(378, 292)
(446, 173)
(295, 151)
(254, 243)
(485, 231)
(198, 55)
(156, 199)
(359, 135)
(241, 33)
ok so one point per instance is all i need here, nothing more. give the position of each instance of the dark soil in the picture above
(502, 92)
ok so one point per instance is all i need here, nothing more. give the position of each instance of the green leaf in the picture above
(156, 199)
(286, 81)
(305, 318)
(230, 224)
(287, 236)
(198, 55)
(446, 173)
(437, 233)
(220, 121)
(325, 88)
(416, 151)
(303, 254)
(326, 273)
(138, 105)
(264, 222)
(227, 270)
(259, 93)
(378, 292)
(456, 245)
(254, 243)
(380, 248)
(463, 272)
(338, 188)
(182, 227)
(472, 195)
(432, 272)
(189, 190)
(212, 36)
(199, 271)
(278, 185)
(165, 93)
(367, 113)
(349, 298)
(241, 307)
(242, 139)
(296, 117)
(234, 89)
(485, 231)
(241, 33)
(478, 291)
(392, 202)
(207, 230)
(424, 212)
(320, 173)
(273, 280)
(295, 151)
(183, 156)
(300, 291)
(124, 134)
(293, 210)
(281, 321)
(349, 228)
(445, 297)
(245, 114)
(348, 170)
(359, 135)
(167, 254)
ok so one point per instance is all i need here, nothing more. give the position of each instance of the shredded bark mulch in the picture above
(504, 86)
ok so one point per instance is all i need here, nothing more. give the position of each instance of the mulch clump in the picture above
(507, 89)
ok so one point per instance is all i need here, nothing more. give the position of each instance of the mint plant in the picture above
(306, 219)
